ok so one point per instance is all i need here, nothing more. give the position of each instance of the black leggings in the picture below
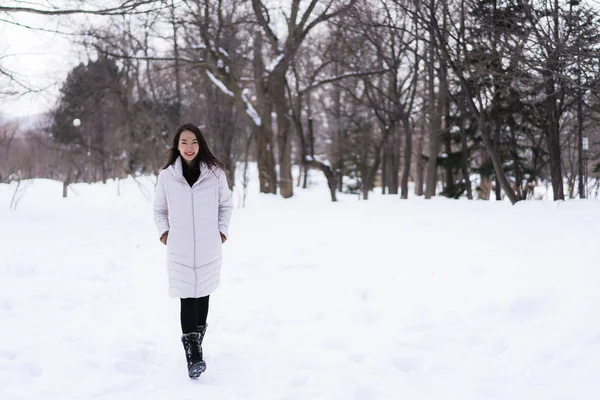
(193, 314)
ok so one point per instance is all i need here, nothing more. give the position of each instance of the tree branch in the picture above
(145, 58)
(38, 29)
(258, 7)
(325, 17)
(340, 77)
(127, 7)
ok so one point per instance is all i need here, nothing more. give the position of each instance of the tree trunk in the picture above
(485, 185)
(498, 187)
(329, 174)
(365, 192)
(484, 127)
(178, 101)
(103, 170)
(276, 87)
(332, 183)
(553, 140)
(407, 158)
(267, 174)
(300, 174)
(263, 137)
(448, 173)
(465, 156)
(245, 171)
(339, 137)
(434, 129)
(420, 173)
(327, 170)
(384, 170)
(450, 183)
(369, 179)
(553, 129)
(394, 165)
(580, 156)
(102, 153)
(305, 180)
(66, 183)
(519, 179)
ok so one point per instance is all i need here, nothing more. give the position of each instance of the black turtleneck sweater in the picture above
(191, 175)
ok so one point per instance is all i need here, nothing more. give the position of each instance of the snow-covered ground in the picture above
(365, 300)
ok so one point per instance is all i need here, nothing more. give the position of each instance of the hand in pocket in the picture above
(163, 238)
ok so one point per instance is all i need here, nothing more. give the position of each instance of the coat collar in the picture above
(177, 170)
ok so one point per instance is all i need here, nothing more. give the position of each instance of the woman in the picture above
(192, 210)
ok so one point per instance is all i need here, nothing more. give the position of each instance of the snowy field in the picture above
(364, 300)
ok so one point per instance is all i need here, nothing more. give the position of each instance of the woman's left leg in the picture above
(201, 311)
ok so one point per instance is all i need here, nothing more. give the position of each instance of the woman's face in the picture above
(188, 145)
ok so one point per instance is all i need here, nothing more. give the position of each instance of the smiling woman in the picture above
(188, 146)
(192, 210)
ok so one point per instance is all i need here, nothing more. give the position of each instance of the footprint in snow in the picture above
(365, 393)
(6, 304)
(527, 307)
(545, 357)
(357, 358)
(141, 354)
(126, 367)
(299, 266)
(8, 354)
(70, 338)
(69, 305)
(335, 345)
(298, 381)
(364, 294)
(32, 370)
(593, 339)
(406, 364)
(369, 318)
(497, 348)
(292, 396)
(421, 328)
(25, 271)
(133, 360)
(266, 333)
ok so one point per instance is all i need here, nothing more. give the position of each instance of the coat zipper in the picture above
(193, 224)
(194, 235)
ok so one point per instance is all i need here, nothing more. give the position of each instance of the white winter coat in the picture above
(194, 216)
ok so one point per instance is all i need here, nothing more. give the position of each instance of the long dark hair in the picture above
(204, 154)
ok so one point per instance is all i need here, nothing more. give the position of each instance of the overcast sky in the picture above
(42, 59)
(39, 59)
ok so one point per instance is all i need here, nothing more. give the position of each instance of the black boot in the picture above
(201, 331)
(193, 354)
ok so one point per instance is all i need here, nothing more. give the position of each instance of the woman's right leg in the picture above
(189, 316)
(191, 338)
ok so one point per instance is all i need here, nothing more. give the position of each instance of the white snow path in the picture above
(383, 299)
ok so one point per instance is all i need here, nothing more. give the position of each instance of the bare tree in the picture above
(299, 25)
